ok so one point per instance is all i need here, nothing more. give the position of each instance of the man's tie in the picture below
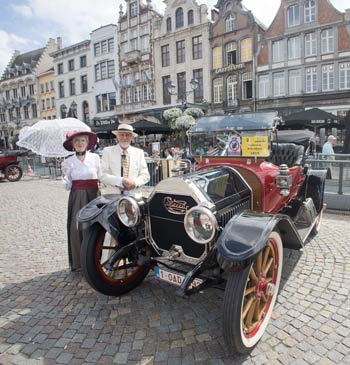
(125, 164)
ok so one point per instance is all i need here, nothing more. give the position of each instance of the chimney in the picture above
(59, 42)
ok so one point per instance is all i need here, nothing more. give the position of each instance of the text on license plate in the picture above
(174, 278)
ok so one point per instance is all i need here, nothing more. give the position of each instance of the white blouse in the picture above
(74, 169)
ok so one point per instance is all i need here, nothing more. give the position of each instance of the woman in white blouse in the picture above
(80, 173)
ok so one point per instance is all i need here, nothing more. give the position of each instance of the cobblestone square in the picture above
(49, 315)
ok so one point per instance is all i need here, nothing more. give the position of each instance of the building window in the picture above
(232, 89)
(84, 84)
(110, 42)
(145, 43)
(53, 102)
(168, 25)
(247, 80)
(310, 44)
(31, 89)
(165, 55)
(123, 48)
(197, 48)
(190, 17)
(198, 93)
(231, 53)
(97, 49)
(104, 70)
(217, 57)
(278, 51)
(133, 9)
(72, 87)
(42, 104)
(246, 50)
(137, 94)
(34, 111)
(217, 85)
(105, 102)
(85, 112)
(23, 91)
(7, 92)
(278, 84)
(42, 88)
(181, 84)
(327, 41)
(146, 92)
(310, 11)
(294, 82)
(180, 51)
(327, 77)
(71, 65)
(133, 44)
(47, 103)
(104, 47)
(26, 112)
(82, 61)
(293, 15)
(51, 86)
(61, 89)
(59, 68)
(344, 76)
(179, 18)
(166, 94)
(230, 23)
(264, 86)
(294, 48)
(311, 79)
(47, 87)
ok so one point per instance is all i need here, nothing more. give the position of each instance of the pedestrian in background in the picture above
(80, 174)
(328, 154)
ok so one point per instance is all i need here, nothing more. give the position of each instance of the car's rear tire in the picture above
(105, 281)
(250, 296)
(13, 173)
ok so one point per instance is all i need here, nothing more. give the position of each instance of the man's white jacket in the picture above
(111, 167)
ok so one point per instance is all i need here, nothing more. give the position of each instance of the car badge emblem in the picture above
(175, 206)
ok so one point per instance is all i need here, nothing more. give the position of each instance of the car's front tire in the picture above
(13, 173)
(125, 276)
(250, 296)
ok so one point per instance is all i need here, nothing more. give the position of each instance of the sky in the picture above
(26, 25)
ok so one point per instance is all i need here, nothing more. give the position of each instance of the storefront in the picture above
(103, 127)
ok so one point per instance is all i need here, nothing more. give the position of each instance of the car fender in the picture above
(100, 210)
(314, 187)
(247, 233)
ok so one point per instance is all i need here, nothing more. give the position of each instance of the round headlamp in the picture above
(128, 212)
(200, 224)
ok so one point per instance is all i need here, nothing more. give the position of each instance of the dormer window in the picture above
(168, 25)
(293, 15)
(190, 17)
(310, 11)
(230, 23)
(179, 15)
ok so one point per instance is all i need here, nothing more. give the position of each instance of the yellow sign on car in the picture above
(255, 146)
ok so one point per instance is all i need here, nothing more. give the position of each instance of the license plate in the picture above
(174, 278)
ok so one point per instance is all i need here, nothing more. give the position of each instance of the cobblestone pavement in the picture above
(49, 315)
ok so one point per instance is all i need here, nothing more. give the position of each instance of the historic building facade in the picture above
(104, 75)
(19, 91)
(181, 51)
(304, 60)
(234, 38)
(72, 84)
(136, 65)
(46, 89)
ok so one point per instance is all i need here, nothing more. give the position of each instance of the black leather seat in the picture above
(290, 154)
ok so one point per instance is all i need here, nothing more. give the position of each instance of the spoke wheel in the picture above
(95, 254)
(250, 296)
(13, 173)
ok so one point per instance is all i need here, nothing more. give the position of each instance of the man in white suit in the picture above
(113, 175)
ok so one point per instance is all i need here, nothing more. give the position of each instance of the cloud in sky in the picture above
(28, 24)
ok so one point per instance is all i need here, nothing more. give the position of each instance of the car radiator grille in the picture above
(167, 229)
(226, 214)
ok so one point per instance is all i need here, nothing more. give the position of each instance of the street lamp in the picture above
(183, 94)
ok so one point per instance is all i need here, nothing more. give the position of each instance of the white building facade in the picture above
(104, 75)
(182, 53)
(72, 83)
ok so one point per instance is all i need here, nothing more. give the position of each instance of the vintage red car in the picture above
(226, 224)
(9, 165)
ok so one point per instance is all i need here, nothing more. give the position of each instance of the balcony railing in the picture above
(132, 56)
(231, 103)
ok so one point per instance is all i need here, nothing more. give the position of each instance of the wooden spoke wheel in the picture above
(13, 173)
(250, 296)
(95, 253)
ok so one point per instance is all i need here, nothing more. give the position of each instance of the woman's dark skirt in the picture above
(77, 200)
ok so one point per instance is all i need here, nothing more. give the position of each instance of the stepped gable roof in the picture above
(30, 58)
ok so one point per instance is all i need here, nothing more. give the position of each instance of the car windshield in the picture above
(240, 135)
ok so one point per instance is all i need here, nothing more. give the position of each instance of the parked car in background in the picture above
(9, 165)
(226, 224)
